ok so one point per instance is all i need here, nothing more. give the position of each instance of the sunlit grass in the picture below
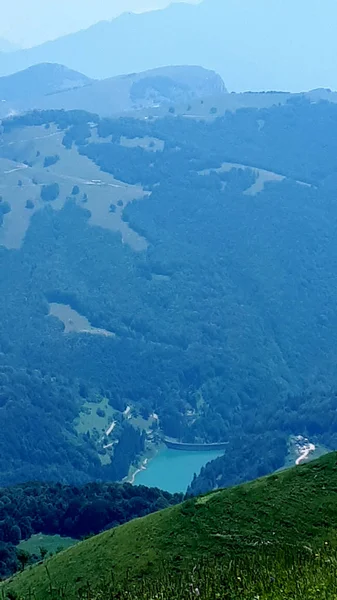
(294, 574)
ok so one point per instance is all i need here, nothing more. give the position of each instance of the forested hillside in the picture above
(203, 257)
(38, 434)
(77, 512)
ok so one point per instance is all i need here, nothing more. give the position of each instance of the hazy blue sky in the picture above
(29, 22)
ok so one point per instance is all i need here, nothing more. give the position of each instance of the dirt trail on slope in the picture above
(305, 449)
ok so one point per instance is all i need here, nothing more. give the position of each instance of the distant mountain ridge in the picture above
(184, 90)
(40, 80)
(6, 46)
(218, 35)
(54, 86)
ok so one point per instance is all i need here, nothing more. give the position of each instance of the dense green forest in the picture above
(38, 439)
(225, 325)
(69, 511)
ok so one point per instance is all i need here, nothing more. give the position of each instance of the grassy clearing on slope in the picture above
(52, 543)
(294, 510)
(74, 322)
(90, 419)
(21, 182)
(150, 144)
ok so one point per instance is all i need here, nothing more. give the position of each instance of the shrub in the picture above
(50, 192)
(51, 160)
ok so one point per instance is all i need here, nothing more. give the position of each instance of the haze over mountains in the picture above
(180, 90)
(168, 298)
(47, 86)
(253, 46)
(6, 46)
(160, 187)
(39, 80)
(35, 22)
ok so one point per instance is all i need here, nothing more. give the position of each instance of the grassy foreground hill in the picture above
(258, 538)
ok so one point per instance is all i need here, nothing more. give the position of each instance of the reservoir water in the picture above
(173, 470)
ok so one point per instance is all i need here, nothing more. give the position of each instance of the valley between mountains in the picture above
(167, 265)
(168, 293)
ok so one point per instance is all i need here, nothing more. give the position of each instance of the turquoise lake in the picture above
(173, 470)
